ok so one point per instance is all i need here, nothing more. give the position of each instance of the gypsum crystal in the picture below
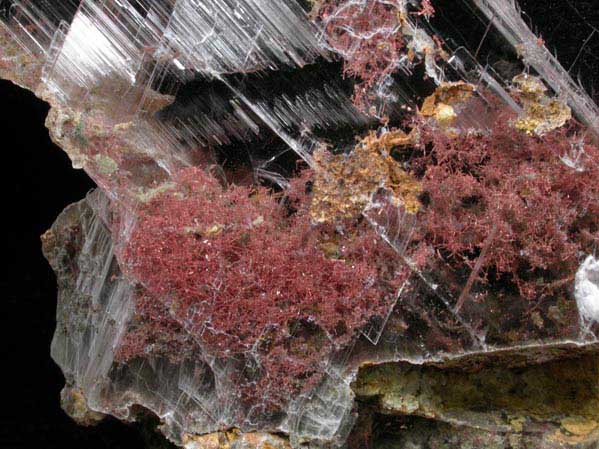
(107, 67)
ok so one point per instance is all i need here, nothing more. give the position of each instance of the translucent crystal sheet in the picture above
(106, 40)
(239, 36)
(34, 24)
(86, 354)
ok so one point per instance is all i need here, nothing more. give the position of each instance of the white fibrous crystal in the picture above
(586, 289)
(313, 216)
(237, 36)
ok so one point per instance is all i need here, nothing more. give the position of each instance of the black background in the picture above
(37, 182)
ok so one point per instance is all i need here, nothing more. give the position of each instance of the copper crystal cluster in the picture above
(320, 224)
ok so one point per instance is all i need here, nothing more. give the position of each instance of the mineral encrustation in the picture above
(319, 224)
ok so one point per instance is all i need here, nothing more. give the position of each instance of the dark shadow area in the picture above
(570, 29)
(37, 182)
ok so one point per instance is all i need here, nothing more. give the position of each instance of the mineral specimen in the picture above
(321, 225)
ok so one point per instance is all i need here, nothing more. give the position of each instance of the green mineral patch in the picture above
(106, 165)
(562, 394)
(146, 195)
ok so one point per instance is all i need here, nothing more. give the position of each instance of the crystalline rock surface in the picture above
(319, 224)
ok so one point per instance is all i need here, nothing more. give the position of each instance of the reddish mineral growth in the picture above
(291, 201)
